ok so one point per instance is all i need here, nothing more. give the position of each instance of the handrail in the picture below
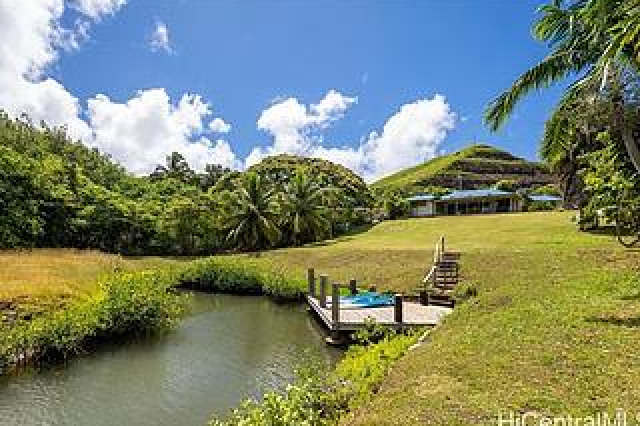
(429, 276)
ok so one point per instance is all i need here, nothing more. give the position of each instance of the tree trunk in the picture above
(626, 132)
(632, 147)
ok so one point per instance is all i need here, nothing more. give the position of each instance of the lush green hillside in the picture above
(473, 167)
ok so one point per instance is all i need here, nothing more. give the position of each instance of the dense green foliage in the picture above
(128, 303)
(242, 276)
(596, 43)
(56, 192)
(280, 169)
(321, 397)
(476, 166)
(609, 180)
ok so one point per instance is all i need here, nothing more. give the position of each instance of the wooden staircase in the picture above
(440, 281)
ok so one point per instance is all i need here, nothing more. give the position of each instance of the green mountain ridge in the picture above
(477, 166)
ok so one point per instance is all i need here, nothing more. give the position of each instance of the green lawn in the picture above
(555, 328)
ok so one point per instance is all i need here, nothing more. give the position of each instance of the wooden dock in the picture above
(350, 319)
(426, 306)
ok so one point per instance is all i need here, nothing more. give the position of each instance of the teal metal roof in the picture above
(462, 194)
(544, 198)
(476, 193)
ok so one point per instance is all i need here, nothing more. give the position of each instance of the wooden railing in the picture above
(320, 293)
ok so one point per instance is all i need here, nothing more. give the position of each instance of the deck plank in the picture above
(414, 314)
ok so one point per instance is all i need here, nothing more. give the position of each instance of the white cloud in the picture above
(294, 126)
(29, 36)
(160, 38)
(142, 131)
(95, 9)
(138, 133)
(411, 135)
(218, 125)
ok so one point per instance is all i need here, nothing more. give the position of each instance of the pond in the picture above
(228, 349)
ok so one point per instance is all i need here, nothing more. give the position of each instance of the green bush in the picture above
(323, 397)
(239, 276)
(131, 303)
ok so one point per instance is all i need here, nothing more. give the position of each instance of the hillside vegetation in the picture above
(476, 166)
(281, 168)
(57, 192)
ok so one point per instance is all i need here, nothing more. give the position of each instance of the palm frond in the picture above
(550, 70)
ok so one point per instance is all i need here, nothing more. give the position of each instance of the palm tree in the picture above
(251, 212)
(305, 208)
(590, 38)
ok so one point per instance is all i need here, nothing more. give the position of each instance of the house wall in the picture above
(466, 206)
(423, 208)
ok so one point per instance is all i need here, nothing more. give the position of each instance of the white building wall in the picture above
(427, 210)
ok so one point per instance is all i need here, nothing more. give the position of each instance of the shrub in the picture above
(126, 304)
(239, 276)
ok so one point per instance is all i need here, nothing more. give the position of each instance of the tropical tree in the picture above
(176, 167)
(251, 213)
(306, 214)
(593, 39)
(212, 174)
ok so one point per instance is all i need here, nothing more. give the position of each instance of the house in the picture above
(473, 201)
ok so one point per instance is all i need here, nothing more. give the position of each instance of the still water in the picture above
(228, 349)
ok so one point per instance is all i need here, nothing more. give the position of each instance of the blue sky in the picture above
(241, 57)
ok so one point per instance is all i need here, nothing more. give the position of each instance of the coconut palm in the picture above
(590, 38)
(305, 207)
(251, 213)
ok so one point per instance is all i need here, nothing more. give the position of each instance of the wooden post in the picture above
(397, 308)
(311, 278)
(323, 291)
(424, 298)
(353, 289)
(335, 306)
(442, 249)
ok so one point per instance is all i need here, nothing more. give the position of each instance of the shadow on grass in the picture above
(614, 320)
(631, 297)
(347, 236)
(165, 257)
(604, 230)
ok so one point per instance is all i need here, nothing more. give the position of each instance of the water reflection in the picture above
(229, 348)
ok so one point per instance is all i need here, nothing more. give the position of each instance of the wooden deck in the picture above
(413, 314)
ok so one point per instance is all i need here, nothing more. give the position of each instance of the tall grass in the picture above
(128, 303)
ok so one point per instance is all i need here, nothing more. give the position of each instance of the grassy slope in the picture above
(39, 280)
(461, 163)
(552, 330)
